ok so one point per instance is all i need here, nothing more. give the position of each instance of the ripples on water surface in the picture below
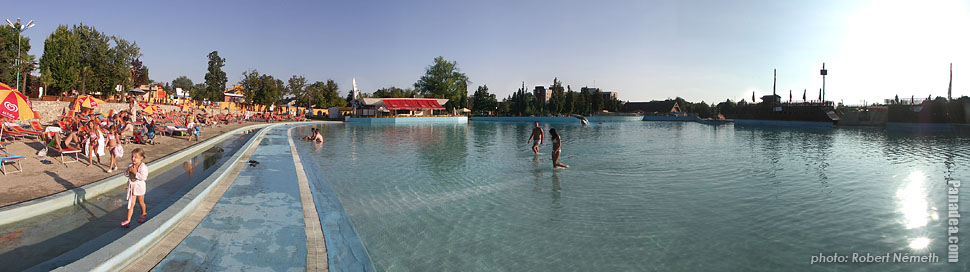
(653, 196)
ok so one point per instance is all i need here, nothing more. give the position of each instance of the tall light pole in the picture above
(824, 73)
(20, 30)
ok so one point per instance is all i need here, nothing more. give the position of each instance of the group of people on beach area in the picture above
(536, 138)
(93, 134)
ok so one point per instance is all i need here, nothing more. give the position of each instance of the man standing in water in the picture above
(536, 138)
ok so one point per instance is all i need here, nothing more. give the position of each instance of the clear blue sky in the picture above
(645, 50)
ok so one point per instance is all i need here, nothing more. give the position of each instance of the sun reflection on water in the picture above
(919, 243)
(912, 201)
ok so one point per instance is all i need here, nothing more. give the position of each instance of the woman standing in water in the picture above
(556, 149)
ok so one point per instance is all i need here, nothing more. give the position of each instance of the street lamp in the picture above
(824, 73)
(20, 30)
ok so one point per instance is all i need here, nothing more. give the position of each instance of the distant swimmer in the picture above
(556, 149)
(312, 136)
(536, 138)
(317, 137)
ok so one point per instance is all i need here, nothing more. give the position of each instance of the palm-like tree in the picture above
(85, 72)
(28, 63)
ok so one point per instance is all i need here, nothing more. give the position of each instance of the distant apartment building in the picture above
(607, 96)
(543, 94)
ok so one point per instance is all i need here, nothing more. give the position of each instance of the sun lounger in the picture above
(36, 126)
(25, 131)
(6, 158)
(63, 151)
(10, 134)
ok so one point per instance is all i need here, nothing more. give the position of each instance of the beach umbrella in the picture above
(186, 105)
(151, 109)
(5, 87)
(86, 101)
(15, 105)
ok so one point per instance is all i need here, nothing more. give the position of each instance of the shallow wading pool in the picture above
(647, 196)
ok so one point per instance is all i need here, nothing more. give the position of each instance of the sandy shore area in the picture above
(40, 180)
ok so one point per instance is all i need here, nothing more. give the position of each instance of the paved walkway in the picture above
(258, 224)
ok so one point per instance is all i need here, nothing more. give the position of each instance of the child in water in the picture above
(137, 174)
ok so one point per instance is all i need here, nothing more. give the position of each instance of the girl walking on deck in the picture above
(137, 174)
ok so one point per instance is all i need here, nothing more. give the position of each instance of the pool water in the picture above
(643, 196)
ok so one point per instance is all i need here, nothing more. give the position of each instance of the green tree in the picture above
(443, 79)
(62, 53)
(483, 101)
(250, 83)
(262, 89)
(350, 97)
(596, 100)
(143, 76)
(325, 94)
(727, 108)
(297, 87)
(81, 56)
(122, 56)
(215, 78)
(394, 92)
(270, 92)
(557, 98)
(570, 102)
(28, 63)
(9, 54)
(184, 83)
(703, 110)
(96, 73)
(46, 79)
(331, 95)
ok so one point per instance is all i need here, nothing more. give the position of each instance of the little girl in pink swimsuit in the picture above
(137, 174)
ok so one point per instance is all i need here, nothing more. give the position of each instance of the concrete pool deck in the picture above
(257, 224)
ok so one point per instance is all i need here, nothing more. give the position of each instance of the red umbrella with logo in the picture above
(15, 105)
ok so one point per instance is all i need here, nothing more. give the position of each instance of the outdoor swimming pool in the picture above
(646, 196)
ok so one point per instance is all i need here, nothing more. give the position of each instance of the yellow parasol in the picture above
(151, 109)
(86, 101)
(15, 105)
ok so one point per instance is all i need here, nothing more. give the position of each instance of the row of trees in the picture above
(83, 58)
(562, 101)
